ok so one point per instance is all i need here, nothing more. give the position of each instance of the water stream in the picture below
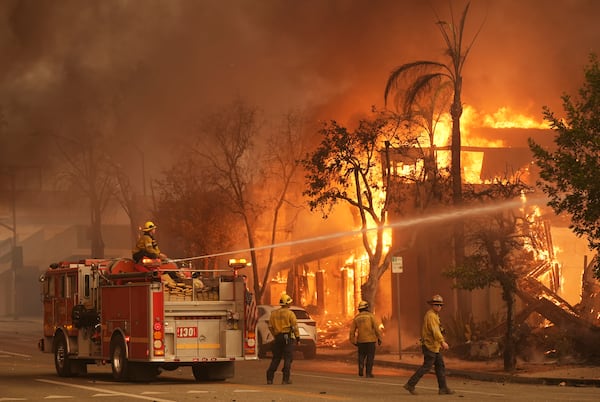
(452, 214)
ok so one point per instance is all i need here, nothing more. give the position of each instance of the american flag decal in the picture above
(251, 312)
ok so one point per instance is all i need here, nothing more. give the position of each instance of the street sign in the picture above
(397, 267)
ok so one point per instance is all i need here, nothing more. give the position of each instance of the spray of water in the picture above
(438, 217)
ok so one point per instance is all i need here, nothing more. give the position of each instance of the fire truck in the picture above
(148, 317)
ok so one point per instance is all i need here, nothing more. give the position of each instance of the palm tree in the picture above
(425, 78)
(432, 74)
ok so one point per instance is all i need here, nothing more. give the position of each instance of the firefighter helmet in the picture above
(363, 305)
(437, 300)
(285, 300)
(148, 226)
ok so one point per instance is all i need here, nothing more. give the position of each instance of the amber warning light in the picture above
(238, 263)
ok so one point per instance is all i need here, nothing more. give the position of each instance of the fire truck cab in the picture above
(145, 318)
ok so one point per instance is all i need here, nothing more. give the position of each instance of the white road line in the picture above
(4, 352)
(104, 391)
(104, 395)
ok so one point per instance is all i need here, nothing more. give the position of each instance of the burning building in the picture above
(549, 294)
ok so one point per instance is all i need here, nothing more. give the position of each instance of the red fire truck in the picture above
(148, 317)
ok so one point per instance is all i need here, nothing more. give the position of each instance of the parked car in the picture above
(306, 326)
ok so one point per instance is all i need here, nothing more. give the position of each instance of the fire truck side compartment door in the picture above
(197, 338)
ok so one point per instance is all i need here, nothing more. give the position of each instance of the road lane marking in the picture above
(104, 395)
(104, 391)
(4, 352)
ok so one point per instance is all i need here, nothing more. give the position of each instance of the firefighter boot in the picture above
(361, 367)
(286, 379)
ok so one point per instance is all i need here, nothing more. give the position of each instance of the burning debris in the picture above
(333, 334)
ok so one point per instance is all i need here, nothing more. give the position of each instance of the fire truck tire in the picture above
(143, 371)
(118, 359)
(217, 371)
(62, 362)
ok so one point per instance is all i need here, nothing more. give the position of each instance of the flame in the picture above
(471, 120)
(506, 118)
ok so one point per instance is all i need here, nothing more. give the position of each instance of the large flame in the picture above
(471, 120)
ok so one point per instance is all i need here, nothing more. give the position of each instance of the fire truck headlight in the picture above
(251, 342)
(157, 344)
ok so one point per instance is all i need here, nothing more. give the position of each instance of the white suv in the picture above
(306, 325)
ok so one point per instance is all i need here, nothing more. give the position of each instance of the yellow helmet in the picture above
(148, 226)
(285, 300)
(363, 305)
(436, 299)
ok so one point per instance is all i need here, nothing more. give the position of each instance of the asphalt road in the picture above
(28, 375)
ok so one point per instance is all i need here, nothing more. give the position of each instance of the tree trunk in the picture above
(463, 298)
(510, 359)
(97, 246)
(368, 289)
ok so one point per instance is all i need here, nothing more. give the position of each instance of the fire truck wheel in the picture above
(61, 358)
(143, 371)
(118, 357)
(200, 372)
(217, 371)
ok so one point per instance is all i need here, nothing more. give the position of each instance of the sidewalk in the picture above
(490, 370)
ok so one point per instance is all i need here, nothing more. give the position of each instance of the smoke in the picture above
(154, 66)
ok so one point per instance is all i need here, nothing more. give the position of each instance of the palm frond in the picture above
(416, 67)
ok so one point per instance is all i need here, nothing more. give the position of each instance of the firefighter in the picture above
(146, 245)
(364, 332)
(284, 328)
(432, 344)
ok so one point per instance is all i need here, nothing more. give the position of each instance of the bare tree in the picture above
(193, 217)
(253, 166)
(87, 172)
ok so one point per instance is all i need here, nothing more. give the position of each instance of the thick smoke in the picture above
(147, 69)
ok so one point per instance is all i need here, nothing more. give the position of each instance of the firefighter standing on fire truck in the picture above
(284, 327)
(146, 245)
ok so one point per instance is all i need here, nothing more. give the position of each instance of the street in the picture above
(29, 375)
